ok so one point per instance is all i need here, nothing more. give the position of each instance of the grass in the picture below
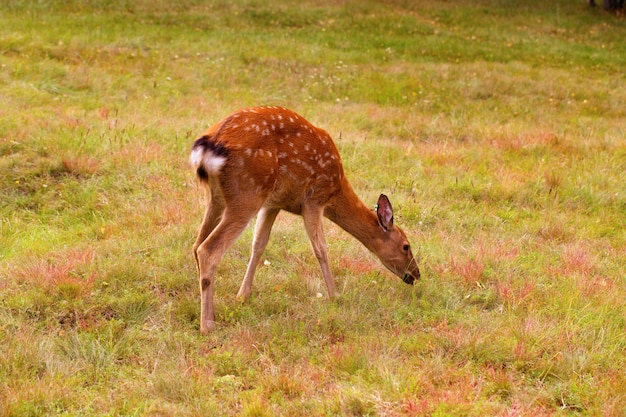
(497, 128)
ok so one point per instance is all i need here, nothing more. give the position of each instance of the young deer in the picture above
(266, 159)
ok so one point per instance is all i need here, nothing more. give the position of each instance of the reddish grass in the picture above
(138, 154)
(578, 264)
(576, 259)
(531, 140)
(81, 165)
(67, 269)
(358, 265)
(511, 293)
(441, 154)
(467, 269)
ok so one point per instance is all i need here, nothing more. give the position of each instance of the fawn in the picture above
(261, 160)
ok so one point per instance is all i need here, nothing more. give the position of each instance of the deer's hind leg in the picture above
(234, 219)
(209, 254)
(212, 217)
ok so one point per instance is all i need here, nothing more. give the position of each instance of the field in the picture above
(496, 127)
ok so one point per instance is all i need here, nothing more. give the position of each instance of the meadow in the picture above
(496, 127)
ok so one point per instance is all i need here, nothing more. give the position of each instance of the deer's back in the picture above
(274, 152)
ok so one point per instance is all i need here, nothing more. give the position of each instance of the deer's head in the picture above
(395, 252)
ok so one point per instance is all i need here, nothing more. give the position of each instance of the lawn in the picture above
(497, 128)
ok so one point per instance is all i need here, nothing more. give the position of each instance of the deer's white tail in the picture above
(207, 157)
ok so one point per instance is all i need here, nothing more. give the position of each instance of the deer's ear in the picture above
(384, 212)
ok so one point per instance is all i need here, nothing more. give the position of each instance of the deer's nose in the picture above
(409, 279)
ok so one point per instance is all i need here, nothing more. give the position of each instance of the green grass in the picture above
(497, 129)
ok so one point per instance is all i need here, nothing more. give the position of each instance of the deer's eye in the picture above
(405, 247)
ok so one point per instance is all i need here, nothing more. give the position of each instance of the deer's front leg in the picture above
(313, 223)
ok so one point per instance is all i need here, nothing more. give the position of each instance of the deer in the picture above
(261, 160)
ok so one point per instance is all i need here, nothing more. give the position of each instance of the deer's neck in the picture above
(348, 211)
